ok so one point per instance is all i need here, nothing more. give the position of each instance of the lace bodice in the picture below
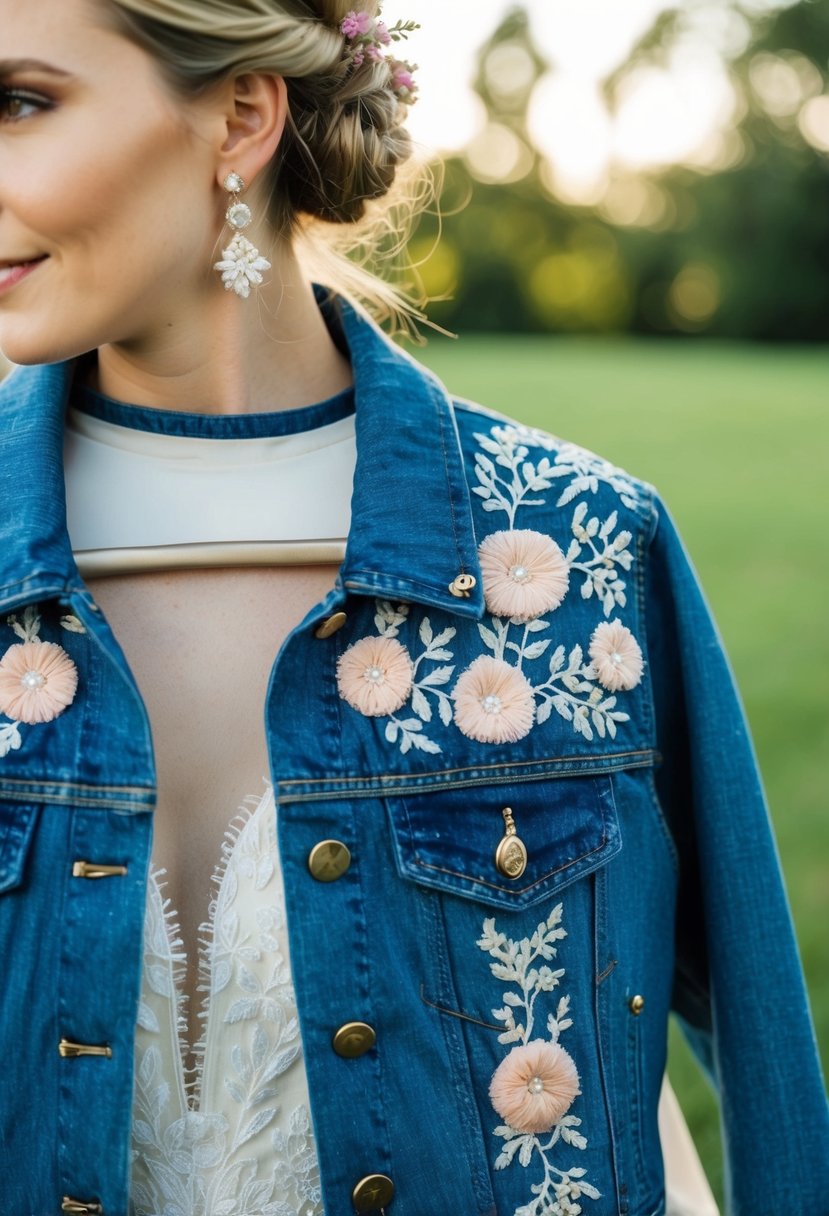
(233, 1139)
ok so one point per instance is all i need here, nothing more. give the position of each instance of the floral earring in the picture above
(241, 262)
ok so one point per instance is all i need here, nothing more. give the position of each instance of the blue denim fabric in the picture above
(652, 867)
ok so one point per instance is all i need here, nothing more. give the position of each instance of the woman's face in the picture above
(103, 180)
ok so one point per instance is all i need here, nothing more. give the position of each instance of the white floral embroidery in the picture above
(570, 687)
(510, 445)
(572, 691)
(523, 964)
(239, 1143)
(600, 574)
(408, 732)
(71, 623)
(10, 739)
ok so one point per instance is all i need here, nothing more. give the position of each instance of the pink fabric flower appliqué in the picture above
(493, 702)
(534, 1086)
(525, 573)
(616, 656)
(374, 675)
(37, 681)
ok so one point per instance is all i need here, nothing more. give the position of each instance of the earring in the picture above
(241, 261)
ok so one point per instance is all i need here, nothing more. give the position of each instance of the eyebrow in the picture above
(10, 66)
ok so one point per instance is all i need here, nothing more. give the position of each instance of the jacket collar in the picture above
(411, 529)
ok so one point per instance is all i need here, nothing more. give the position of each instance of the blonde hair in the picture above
(344, 143)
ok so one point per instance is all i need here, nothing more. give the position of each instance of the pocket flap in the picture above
(17, 821)
(447, 838)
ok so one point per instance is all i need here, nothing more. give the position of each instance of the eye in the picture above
(14, 103)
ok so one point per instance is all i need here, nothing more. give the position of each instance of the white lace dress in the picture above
(235, 1140)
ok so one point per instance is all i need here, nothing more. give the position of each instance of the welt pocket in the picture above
(447, 839)
(17, 824)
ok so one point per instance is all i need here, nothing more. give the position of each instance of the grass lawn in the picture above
(736, 439)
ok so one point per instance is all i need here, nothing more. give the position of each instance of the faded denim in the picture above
(656, 842)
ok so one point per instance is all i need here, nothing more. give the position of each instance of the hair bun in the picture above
(344, 142)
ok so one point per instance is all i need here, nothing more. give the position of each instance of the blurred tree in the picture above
(738, 248)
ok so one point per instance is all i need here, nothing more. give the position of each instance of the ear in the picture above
(254, 119)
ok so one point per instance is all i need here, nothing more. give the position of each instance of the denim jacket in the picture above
(520, 821)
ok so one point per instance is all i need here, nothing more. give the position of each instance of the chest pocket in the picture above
(448, 839)
(17, 822)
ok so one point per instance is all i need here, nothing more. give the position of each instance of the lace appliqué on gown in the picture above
(234, 1138)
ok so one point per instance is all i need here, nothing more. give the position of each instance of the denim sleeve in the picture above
(739, 991)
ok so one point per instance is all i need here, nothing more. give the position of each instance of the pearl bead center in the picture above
(374, 675)
(615, 658)
(33, 679)
(520, 574)
(536, 1086)
(491, 704)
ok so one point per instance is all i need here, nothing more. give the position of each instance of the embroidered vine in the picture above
(524, 966)
(508, 448)
(427, 682)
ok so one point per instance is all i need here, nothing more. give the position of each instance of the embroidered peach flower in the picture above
(493, 702)
(534, 1086)
(37, 681)
(616, 656)
(374, 675)
(525, 573)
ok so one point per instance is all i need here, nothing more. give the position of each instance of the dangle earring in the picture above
(241, 262)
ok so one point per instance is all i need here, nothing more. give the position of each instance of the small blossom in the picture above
(616, 656)
(534, 1086)
(525, 573)
(37, 681)
(493, 702)
(374, 675)
(381, 33)
(354, 24)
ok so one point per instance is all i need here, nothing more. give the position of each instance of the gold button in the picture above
(70, 1049)
(80, 1207)
(637, 1004)
(329, 860)
(353, 1039)
(372, 1193)
(462, 585)
(330, 625)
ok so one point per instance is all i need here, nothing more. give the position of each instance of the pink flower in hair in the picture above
(525, 573)
(493, 702)
(616, 656)
(534, 1086)
(381, 33)
(37, 681)
(354, 24)
(375, 52)
(374, 675)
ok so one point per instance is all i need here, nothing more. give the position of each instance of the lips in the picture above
(5, 263)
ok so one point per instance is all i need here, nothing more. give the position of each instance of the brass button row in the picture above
(327, 861)
(372, 1193)
(69, 1049)
(636, 1004)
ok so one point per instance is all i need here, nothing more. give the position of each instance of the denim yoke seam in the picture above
(431, 903)
(599, 935)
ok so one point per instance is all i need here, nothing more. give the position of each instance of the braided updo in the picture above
(344, 138)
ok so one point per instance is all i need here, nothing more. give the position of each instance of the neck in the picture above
(219, 354)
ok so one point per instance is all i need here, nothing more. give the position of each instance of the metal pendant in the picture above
(511, 853)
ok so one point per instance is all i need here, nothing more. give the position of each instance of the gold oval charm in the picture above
(511, 853)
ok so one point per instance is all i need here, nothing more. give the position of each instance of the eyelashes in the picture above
(12, 100)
